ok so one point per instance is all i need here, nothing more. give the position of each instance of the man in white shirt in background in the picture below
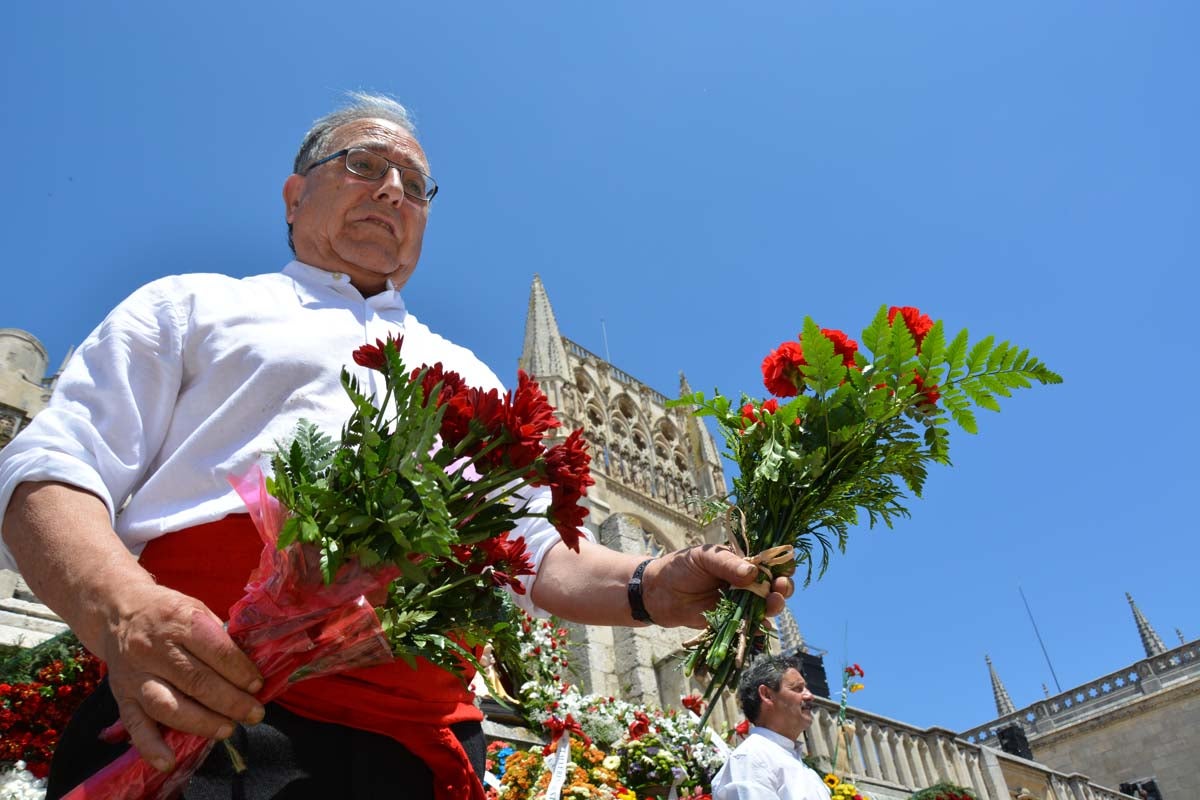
(767, 765)
(191, 380)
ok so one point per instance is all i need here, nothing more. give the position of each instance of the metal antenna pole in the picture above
(1039, 638)
(604, 333)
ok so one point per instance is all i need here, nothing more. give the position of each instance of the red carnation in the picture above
(918, 324)
(487, 408)
(452, 383)
(530, 416)
(564, 468)
(372, 356)
(566, 515)
(768, 407)
(693, 703)
(742, 728)
(843, 345)
(781, 370)
(928, 395)
(503, 559)
(640, 725)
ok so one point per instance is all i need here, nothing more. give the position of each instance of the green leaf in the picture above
(979, 354)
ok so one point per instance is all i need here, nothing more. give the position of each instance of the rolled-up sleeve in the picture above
(539, 536)
(110, 409)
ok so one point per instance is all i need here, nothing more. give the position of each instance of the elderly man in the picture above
(116, 508)
(767, 766)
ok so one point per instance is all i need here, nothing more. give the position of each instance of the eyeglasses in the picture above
(372, 166)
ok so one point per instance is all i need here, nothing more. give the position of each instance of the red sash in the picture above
(212, 562)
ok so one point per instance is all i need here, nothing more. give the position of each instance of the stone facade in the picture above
(1131, 726)
(24, 386)
(651, 465)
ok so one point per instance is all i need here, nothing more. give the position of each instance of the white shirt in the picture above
(195, 378)
(767, 766)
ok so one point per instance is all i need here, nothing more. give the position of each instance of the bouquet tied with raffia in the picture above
(859, 430)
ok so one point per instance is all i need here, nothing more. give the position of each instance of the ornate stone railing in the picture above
(1144, 677)
(621, 377)
(890, 760)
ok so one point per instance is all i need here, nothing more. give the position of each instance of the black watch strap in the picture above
(636, 606)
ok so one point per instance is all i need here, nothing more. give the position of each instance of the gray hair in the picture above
(766, 670)
(318, 142)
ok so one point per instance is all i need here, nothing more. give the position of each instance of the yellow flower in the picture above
(856, 687)
(627, 795)
(831, 780)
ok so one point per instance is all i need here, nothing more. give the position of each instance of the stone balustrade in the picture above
(889, 760)
(621, 377)
(1094, 697)
(24, 621)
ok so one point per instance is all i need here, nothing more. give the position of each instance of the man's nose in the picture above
(391, 187)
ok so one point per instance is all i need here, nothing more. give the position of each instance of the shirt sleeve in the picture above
(749, 778)
(110, 409)
(539, 536)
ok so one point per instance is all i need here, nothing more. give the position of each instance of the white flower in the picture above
(19, 784)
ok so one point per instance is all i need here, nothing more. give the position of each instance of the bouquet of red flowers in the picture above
(860, 428)
(418, 496)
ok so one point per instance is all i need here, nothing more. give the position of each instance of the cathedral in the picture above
(1127, 734)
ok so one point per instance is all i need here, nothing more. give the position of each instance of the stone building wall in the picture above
(24, 387)
(1151, 737)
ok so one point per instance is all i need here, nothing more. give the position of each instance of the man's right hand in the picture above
(169, 659)
(170, 662)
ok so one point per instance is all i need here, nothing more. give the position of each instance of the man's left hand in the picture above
(680, 586)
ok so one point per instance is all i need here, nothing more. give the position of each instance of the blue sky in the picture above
(700, 176)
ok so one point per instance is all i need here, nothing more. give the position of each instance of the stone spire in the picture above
(1179, 633)
(1004, 703)
(1154, 645)
(543, 355)
(790, 638)
(706, 458)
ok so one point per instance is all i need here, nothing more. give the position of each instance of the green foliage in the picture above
(382, 494)
(21, 664)
(851, 446)
(945, 791)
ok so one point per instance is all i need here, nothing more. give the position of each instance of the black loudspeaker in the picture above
(1146, 790)
(1013, 741)
(812, 667)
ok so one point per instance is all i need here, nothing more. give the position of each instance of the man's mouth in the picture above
(383, 223)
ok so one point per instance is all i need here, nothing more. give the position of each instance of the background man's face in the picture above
(368, 229)
(790, 711)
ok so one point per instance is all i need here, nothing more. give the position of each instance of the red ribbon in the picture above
(560, 726)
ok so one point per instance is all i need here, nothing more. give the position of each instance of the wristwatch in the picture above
(636, 606)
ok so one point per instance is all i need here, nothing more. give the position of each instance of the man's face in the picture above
(789, 710)
(368, 229)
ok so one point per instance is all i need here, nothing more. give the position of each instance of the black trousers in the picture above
(288, 757)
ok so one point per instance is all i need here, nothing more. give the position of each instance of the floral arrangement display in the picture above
(40, 688)
(843, 790)
(648, 765)
(860, 429)
(944, 791)
(590, 776)
(850, 685)
(627, 732)
(424, 485)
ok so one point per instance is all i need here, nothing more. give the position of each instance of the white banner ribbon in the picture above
(558, 767)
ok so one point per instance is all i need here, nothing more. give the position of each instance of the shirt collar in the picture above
(790, 745)
(313, 284)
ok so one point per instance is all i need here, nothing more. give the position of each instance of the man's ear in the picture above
(764, 693)
(293, 187)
